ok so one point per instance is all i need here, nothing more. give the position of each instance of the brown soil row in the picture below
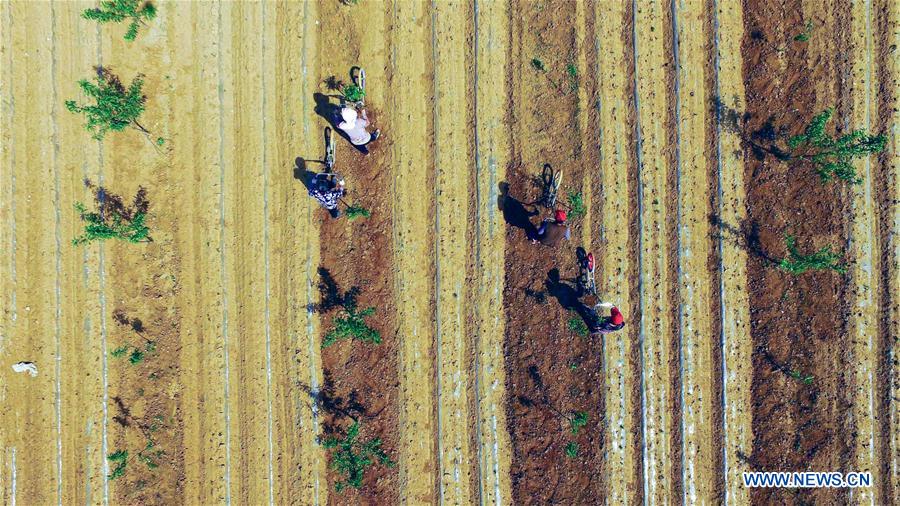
(797, 322)
(361, 380)
(551, 372)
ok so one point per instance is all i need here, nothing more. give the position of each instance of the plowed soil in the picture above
(667, 118)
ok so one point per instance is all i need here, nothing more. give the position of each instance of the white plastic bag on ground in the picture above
(28, 367)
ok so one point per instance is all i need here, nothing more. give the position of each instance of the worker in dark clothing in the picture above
(551, 232)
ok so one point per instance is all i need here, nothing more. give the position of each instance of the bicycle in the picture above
(586, 267)
(551, 181)
(329, 150)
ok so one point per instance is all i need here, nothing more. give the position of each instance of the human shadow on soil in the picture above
(514, 211)
(745, 237)
(331, 295)
(566, 295)
(302, 172)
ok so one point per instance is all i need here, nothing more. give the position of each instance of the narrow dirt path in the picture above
(737, 349)
(698, 284)
(413, 218)
(361, 380)
(452, 152)
(196, 153)
(656, 195)
(890, 118)
(81, 349)
(865, 270)
(309, 360)
(32, 331)
(617, 270)
(492, 156)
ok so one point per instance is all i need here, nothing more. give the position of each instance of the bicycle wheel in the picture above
(329, 149)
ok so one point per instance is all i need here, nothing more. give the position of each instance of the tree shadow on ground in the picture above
(110, 204)
(331, 295)
(761, 141)
(514, 211)
(745, 237)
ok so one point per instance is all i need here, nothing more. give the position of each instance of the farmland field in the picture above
(201, 354)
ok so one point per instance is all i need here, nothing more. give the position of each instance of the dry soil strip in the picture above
(413, 247)
(7, 234)
(313, 464)
(893, 248)
(196, 169)
(622, 451)
(492, 154)
(693, 166)
(245, 229)
(864, 269)
(737, 346)
(32, 339)
(656, 310)
(452, 160)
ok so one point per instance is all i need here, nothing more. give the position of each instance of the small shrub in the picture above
(832, 157)
(797, 375)
(116, 107)
(352, 93)
(353, 326)
(355, 211)
(350, 458)
(577, 325)
(797, 263)
(572, 72)
(538, 65)
(119, 352)
(572, 450)
(115, 11)
(136, 357)
(98, 228)
(805, 34)
(579, 419)
(149, 455)
(121, 459)
(576, 204)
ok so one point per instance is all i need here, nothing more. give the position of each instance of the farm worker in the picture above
(328, 192)
(354, 125)
(605, 324)
(552, 231)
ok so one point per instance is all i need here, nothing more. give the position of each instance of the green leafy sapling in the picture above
(352, 93)
(577, 325)
(805, 34)
(121, 459)
(579, 419)
(355, 211)
(138, 12)
(352, 325)
(116, 107)
(350, 457)
(832, 157)
(100, 228)
(805, 379)
(577, 208)
(798, 263)
(572, 450)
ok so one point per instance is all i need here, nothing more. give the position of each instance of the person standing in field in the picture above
(328, 189)
(551, 232)
(354, 125)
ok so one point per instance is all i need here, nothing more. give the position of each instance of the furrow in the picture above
(864, 270)
(734, 309)
(656, 333)
(411, 64)
(892, 75)
(452, 159)
(622, 442)
(491, 157)
(694, 250)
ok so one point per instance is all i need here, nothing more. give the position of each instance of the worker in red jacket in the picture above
(551, 232)
(602, 324)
